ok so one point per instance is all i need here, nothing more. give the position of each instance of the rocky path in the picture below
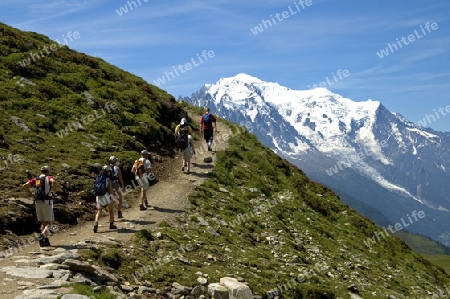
(34, 272)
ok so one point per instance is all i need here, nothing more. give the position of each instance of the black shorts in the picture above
(208, 135)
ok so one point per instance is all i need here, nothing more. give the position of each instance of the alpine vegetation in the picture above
(263, 207)
(184, 68)
(411, 38)
(33, 57)
(10, 160)
(161, 261)
(75, 125)
(265, 24)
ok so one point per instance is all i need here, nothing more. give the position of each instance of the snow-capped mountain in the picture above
(375, 159)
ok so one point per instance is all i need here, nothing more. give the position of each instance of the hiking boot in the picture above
(112, 226)
(41, 240)
(182, 168)
(46, 242)
(146, 203)
(142, 207)
(95, 228)
(119, 214)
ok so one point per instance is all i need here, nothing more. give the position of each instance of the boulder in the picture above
(236, 289)
(218, 291)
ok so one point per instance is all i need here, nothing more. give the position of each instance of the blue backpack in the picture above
(207, 121)
(100, 188)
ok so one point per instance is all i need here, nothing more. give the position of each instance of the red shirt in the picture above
(213, 119)
(33, 180)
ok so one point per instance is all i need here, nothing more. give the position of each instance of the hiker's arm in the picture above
(192, 146)
(119, 174)
(27, 187)
(110, 189)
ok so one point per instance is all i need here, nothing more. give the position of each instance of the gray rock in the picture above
(52, 286)
(353, 288)
(53, 266)
(80, 278)
(99, 288)
(143, 290)
(39, 294)
(253, 190)
(104, 276)
(221, 189)
(212, 231)
(87, 144)
(65, 165)
(178, 289)
(64, 278)
(203, 281)
(218, 291)
(236, 289)
(104, 241)
(126, 289)
(58, 274)
(27, 272)
(26, 81)
(74, 296)
(76, 265)
(202, 221)
(197, 291)
(25, 283)
(58, 258)
(18, 122)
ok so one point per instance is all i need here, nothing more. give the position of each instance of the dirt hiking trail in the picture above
(168, 196)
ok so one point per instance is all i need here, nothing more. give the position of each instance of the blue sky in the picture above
(305, 45)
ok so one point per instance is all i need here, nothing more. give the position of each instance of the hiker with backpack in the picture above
(117, 183)
(187, 154)
(183, 125)
(102, 191)
(184, 142)
(42, 186)
(206, 125)
(141, 170)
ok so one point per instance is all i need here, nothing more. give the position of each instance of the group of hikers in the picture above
(109, 183)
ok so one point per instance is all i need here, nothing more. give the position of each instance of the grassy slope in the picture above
(145, 115)
(307, 234)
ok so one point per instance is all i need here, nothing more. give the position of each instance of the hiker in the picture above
(42, 185)
(187, 154)
(183, 123)
(141, 169)
(206, 124)
(102, 191)
(117, 183)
